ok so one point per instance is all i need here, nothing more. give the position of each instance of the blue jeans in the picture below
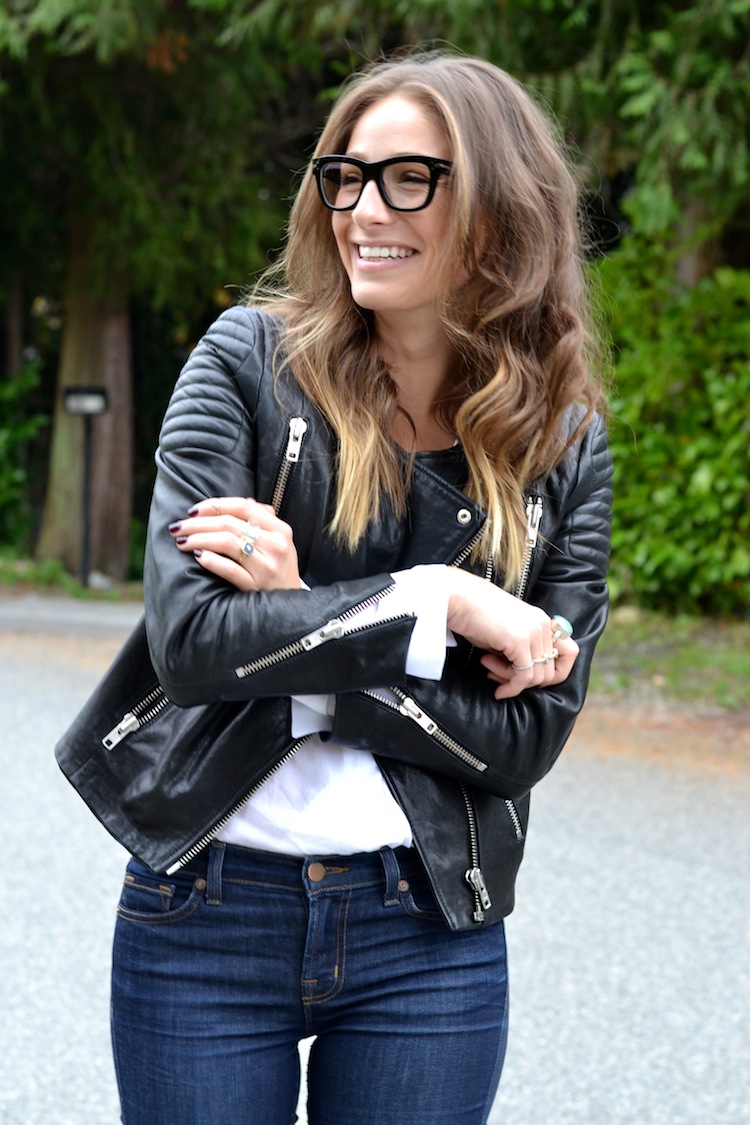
(220, 970)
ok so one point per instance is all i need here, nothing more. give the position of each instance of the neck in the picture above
(419, 358)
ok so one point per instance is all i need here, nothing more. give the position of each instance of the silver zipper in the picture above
(473, 875)
(297, 430)
(463, 555)
(148, 708)
(410, 709)
(515, 819)
(334, 629)
(205, 840)
(534, 511)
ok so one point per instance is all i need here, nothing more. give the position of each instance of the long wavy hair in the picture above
(517, 318)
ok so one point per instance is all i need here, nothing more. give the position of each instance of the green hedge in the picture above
(20, 422)
(680, 430)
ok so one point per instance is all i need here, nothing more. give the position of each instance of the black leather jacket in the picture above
(460, 763)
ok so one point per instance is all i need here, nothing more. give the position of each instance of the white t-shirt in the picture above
(331, 799)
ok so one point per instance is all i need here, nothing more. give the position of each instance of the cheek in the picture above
(339, 226)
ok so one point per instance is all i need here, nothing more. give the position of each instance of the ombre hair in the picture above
(517, 317)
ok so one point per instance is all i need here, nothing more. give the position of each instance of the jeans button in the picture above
(403, 885)
(316, 872)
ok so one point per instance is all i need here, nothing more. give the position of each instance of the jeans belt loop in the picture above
(392, 876)
(216, 852)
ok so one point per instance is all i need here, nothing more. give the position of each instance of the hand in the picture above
(242, 541)
(517, 637)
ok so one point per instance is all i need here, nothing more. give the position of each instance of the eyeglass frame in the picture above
(374, 171)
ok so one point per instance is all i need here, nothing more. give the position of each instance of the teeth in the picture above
(384, 252)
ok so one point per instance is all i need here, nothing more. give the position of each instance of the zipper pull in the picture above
(411, 710)
(533, 520)
(297, 430)
(127, 724)
(332, 631)
(475, 879)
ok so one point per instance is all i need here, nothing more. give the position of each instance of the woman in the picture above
(382, 498)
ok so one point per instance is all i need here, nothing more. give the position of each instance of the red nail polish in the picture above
(193, 511)
(174, 527)
(197, 554)
(180, 540)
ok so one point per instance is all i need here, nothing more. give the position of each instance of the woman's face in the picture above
(406, 279)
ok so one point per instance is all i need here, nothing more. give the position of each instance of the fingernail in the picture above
(193, 511)
(180, 540)
(174, 527)
(197, 554)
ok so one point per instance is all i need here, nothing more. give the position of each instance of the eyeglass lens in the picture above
(405, 185)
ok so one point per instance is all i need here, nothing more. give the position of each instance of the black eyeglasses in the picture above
(405, 183)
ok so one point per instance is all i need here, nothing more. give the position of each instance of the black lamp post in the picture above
(86, 402)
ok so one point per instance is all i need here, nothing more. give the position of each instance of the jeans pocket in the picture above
(417, 899)
(150, 899)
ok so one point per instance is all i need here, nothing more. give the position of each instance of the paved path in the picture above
(629, 970)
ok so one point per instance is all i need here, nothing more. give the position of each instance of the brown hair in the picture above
(518, 319)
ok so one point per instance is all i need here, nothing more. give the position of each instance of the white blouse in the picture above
(332, 799)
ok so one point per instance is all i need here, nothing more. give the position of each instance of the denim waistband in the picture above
(221, 862)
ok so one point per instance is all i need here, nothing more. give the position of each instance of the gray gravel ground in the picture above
(628, 948)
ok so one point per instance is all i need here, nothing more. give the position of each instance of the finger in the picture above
(254, 518)
(224, 543)
(541, 674)
(242, 508)
(224, 568)
(568, 654)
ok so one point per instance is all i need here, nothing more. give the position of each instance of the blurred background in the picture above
(148, 153)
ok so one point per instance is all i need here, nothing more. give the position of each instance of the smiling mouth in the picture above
(384, 252)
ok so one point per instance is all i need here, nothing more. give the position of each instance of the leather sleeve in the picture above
(515, 742)
(200, 628)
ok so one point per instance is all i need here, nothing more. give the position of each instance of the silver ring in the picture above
(249, 538)
(548, 656)
(522, 667)
(563, 629)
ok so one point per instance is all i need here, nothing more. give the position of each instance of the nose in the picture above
(371, 207)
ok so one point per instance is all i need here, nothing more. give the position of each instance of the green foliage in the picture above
(18, 426)
(680, 434)
(697, 662)
(685, 100)
(20, 572)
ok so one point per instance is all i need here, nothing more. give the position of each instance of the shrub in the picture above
(19, 424)
(680, 432)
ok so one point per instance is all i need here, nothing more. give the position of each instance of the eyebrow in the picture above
(394, 156)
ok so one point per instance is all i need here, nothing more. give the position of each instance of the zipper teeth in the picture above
(264, 662)
(296, 647)
(281, 483)
(205, 840)
(524, 577)
(368, 603)
(437, 733)
(297, 431)
(473, 846)
(515, 818)
(471, 817)
(153, 696)
(534, 511)
(464, 554)
(151, 706)
(449, 742)
(459, 750)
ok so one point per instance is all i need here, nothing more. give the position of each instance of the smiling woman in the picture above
(381, 510)
(393, 256)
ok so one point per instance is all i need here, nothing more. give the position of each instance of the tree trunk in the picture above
(702, 246)
(95, 352)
